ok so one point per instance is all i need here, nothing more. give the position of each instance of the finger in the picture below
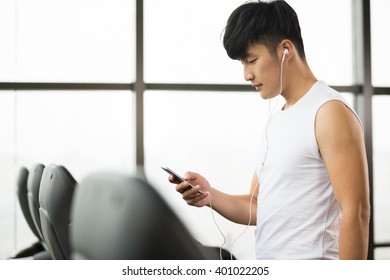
(173, 179)
(182, 187)
(191, 192)
(199, 200)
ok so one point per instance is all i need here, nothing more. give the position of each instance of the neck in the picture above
(299, 80)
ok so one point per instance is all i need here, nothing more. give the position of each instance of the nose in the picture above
(248, 74)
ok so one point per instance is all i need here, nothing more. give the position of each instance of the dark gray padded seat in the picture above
(55, 198)
(33, 185)
(123, 217)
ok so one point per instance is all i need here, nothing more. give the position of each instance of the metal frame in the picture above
(66, 86)
(140, 86)
(363, 76)
(363, 91)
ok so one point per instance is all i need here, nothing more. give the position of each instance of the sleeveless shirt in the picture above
(298, 216)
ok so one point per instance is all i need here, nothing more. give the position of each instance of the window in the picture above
(84, 131)
(186, 46)
(328, 40)
(381, 143)
(45, 41)
(215, 134)
(7, 172)
(8, 41)
(75, 41)
(380, 42)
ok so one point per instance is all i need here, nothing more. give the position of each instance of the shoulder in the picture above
(337, 124)
(336, 113)
(331, 105)
(320, 94)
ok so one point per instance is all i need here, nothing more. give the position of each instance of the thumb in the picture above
(190, 176)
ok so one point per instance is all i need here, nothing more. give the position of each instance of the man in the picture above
(309, 196)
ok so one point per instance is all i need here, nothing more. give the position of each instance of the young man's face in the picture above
(262, 70)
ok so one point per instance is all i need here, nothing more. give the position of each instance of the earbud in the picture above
(285, 52)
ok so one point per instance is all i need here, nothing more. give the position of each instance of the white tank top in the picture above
(298, 216)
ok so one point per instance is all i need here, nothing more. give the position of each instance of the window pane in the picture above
(7, 174)
(7, 45)
(382, 254)
(181, 48)
(380, 40)
(84, 131)
(214, 134)
(330, 61)
(183, 42)
(381, 143)
(76, 40)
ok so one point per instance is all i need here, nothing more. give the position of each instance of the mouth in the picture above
(257, 86)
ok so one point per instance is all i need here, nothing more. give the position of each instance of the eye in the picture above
(252, 61)
(249, 60)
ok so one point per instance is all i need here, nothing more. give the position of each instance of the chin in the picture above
(265, 95)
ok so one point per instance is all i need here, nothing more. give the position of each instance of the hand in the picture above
(192, 196)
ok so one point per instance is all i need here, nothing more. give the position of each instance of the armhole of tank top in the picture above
(319, 107)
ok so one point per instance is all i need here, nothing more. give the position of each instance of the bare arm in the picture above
(340, 140)
(233, 207)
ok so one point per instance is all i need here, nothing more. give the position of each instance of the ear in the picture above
(287, 47)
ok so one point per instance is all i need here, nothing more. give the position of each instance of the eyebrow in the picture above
(245, 56)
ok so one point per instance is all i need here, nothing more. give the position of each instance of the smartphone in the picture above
(177, 176)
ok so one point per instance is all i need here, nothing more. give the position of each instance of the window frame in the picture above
(363, 90)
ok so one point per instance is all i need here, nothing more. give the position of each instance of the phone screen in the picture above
(166, 169)
(177, 176)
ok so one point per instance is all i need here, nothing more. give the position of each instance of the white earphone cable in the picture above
(257, 183)
(219, 229)
(265, 156)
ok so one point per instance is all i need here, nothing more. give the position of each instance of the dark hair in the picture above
(266, 23)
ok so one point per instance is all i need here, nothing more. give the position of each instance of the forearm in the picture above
(235, 208)
(353, 239)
